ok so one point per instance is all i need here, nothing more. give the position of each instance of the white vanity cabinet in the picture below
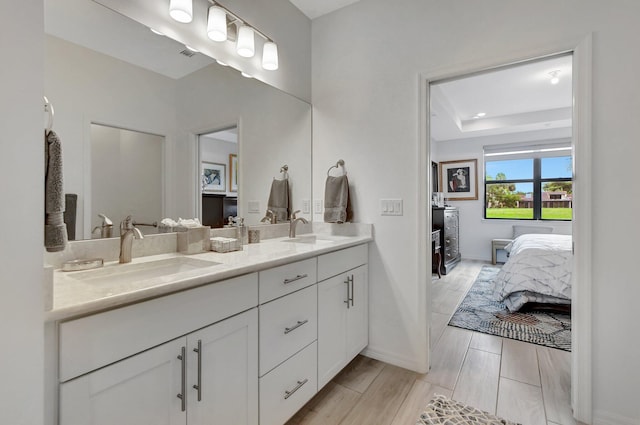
(206, 376)
(343, 310)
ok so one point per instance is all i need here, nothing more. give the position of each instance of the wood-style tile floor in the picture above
(522, 382)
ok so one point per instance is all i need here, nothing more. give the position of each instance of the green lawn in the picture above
(527, 213)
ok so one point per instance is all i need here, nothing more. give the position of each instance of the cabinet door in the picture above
(228, 371)
(358, 313)
(139, 390)
(333, 295)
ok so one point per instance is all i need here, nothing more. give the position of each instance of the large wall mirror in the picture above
(102, 68)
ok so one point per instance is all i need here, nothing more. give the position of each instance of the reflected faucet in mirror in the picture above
(293, 222)
(269, 218)
(104, 230)
(128, 232)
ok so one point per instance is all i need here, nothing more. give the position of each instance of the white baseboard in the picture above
(393, 358)
(607, 418)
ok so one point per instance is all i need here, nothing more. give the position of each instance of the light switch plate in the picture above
(391, 207)
(318, 206)
(254, 206)
(306, 206)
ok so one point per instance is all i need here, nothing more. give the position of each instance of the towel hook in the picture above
(340, 163)
(48, 108)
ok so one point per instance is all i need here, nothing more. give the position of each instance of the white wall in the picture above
(21, 211)
(366, 110)
(476, 232)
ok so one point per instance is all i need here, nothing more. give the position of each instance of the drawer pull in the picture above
(296, 326)
(288, 394)
(183, 385)
(293, 279)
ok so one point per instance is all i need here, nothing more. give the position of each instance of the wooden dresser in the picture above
(447, 219)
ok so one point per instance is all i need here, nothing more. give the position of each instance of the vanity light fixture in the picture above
(217, 24)
(223, 25)
(181, 10)
(246, 43)
(554, 76)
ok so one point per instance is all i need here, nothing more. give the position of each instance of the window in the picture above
(528, 183)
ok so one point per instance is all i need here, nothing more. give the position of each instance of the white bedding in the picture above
(538, 270)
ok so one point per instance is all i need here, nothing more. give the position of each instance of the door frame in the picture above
(581, 337)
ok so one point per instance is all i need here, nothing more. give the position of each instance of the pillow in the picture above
(525, 230)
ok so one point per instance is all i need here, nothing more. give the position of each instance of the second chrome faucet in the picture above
(128, 232)
(293, 222)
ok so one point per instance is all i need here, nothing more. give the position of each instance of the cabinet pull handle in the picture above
(198, 386)
(183, 385)
(352, 291)
(293, 279)
(299, 385)
(348, 292)
(296, 326)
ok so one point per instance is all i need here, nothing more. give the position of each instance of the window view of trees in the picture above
(529, 189)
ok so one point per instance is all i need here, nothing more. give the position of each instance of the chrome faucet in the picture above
(270, 217)
(293, 222)
(127, 233)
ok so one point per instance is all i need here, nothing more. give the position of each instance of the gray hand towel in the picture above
(337, 208)
(279, 199)
(55, 231)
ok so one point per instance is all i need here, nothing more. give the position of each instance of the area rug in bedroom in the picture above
(479, 312)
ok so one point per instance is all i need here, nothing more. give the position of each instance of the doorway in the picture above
(580, 226)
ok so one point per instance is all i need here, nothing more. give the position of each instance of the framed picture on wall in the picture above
(233, 172)
(459, 179)
(214, 177)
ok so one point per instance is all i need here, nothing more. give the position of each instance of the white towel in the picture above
(337, 208)
(279, 200)
(55, 231)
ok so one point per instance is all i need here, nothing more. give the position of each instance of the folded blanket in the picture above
(336, 200)
(55, 231)
(279, 200)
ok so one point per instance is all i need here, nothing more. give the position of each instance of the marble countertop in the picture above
(75, 297)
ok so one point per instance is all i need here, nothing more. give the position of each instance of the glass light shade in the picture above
(246, 46)
(217, 24)
(270, 56)
(181, 10)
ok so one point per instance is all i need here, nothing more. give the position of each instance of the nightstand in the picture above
(497, 244)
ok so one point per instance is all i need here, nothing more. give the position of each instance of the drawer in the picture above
(287, 325)
(98, 340)
(288, 387)
(283, 280)
(337, 262)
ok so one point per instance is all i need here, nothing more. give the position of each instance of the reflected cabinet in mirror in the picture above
(102, 68)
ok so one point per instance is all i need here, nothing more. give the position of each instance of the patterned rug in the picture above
(481, 313)
(442, 410)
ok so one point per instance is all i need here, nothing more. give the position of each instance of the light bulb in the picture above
(181, 10)
(217, 24)
(270, 56)
(246, 46)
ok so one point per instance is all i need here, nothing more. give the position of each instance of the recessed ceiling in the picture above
(316, 8)
(510, 100)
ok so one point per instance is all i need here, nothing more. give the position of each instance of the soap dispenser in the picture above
(242, 231)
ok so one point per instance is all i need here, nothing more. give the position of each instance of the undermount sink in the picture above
(162, 270)
(314, 239)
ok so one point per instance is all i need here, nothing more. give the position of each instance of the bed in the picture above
(538, 272)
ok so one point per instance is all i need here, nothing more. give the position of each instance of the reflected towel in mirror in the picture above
(55, 231)
(279, 200)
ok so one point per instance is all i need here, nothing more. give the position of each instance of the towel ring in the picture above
(48, 108)
(340, 163)
(283, 170)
